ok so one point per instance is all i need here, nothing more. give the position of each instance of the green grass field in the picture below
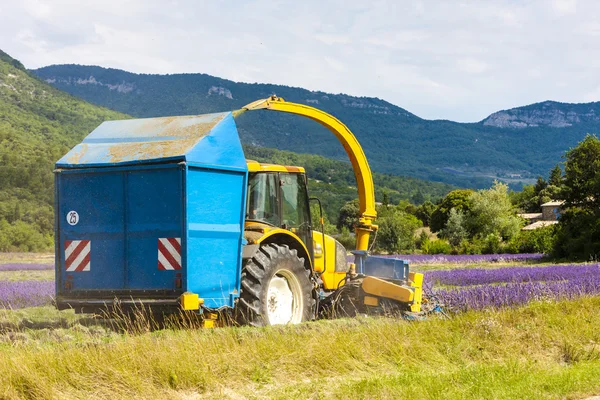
(544, 350)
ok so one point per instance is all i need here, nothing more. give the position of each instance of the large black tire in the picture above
(256, 306)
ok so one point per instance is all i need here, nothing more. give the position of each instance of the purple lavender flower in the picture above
(514, 294)
(480, 276)
(464, 258)
(21, 294)
(25, 267)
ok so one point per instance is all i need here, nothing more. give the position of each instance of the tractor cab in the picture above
(278, 198)
(278, 212)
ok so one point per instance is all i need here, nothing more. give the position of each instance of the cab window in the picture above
(262, 203)
(294, 201)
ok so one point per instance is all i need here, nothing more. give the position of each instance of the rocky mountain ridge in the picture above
(548, 113)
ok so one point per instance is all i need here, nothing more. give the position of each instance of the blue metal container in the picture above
(147, 209)
(380, 267)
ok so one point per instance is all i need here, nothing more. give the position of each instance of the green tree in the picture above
(540, 185)
(458, 199)
(582, 175)
(424, 212)
(455, 230)
(349, 214)
(556, 176)
(578, 233)
(396, 232)
(526, 200)
(491, 212)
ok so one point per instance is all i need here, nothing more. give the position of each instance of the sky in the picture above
(444, 59)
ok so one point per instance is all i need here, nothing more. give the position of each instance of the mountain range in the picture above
(513, 145)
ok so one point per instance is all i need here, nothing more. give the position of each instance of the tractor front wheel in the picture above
(276, 288)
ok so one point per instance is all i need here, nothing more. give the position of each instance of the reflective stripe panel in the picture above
(169, 254)
(77, 255)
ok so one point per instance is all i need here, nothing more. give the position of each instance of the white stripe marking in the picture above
(79, 258)
(164, 261)
(171, 250)
(71, 247)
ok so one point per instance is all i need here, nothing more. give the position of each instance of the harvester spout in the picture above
(362, 171)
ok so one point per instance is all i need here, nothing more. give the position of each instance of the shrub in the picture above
(438, 246)
(346, 239)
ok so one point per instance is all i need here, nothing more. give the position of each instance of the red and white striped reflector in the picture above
(169, 254)
(77, 255)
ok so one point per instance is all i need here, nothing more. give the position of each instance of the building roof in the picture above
(530, 215)
(553, 203)
(538, 224)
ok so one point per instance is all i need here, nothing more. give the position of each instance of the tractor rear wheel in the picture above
(276, 288)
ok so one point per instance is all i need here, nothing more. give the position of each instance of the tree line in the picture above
(485, 221)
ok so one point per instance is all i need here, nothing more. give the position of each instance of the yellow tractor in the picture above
(289, 267)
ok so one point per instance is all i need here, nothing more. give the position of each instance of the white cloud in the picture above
(438, 59)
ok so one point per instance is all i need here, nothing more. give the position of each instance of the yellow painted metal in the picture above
(209, 320)
(325, 262)
(416, 281)
(190, 301)
(371, 301)
(380, 288)
(254, 166)
(362, 171)
(280, 231)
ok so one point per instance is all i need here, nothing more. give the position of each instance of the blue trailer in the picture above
(149, 209)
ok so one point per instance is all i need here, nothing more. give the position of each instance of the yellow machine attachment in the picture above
(362, 171)
(379, 279)
(330, 260)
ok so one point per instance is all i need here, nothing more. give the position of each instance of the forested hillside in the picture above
(38, 124)
(334, 184)
(515, 145)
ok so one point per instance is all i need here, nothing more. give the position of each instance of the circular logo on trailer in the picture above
(72, 218)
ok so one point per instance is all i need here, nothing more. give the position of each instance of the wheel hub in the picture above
(284, 299)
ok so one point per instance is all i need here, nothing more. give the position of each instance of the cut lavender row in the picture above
(25, 267)
(479, 276)
(514, 294)
(21, 294)
(464, 258)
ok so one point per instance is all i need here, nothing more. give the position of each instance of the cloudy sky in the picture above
(455, 60)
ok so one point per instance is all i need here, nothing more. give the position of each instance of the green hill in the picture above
(38, 124)
(395, 141)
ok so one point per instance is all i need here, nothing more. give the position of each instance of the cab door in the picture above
(295, 210)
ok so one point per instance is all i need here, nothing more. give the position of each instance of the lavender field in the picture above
(476, 289)
(457, 289)
(420, 259)
(23, 293)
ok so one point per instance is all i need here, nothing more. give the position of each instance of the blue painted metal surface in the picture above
(380, 267)
(185, 177)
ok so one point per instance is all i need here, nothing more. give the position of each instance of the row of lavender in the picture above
(466, 258)
(475, 289)
(23, 294)
(461, 289)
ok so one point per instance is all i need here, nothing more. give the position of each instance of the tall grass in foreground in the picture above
(543, 350)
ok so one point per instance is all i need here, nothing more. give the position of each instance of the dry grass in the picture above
(12, 276)
(544, 350)
(40, 258)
